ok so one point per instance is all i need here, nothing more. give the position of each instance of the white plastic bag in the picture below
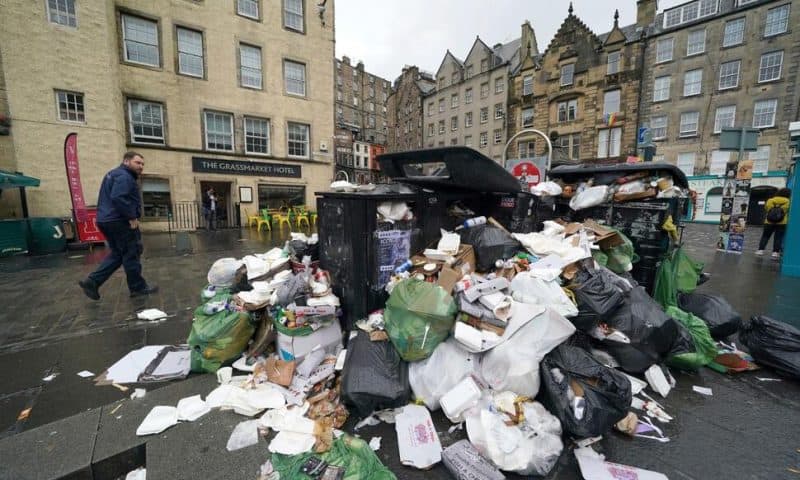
(543, 245)
(244, 435)
(589, 197)
(532, 448)
(223, 272)
(514, 365)
(431, 378)
(528, 288)
(551, 189)
(395, 211)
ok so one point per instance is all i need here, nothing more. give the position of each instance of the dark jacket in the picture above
(119, 197)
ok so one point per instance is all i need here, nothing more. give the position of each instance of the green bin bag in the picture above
(354, 454)
(705, 349)
(418, 316)
(687, 272)
(620, 259)
(677, 273)
(217, 339)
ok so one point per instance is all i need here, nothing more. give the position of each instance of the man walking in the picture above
(119, 207)
(210, 208)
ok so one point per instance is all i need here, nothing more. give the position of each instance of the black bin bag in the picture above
(606, 392)
(374, 376)
(772, 344)
(722, 320)
(599, 294)
(490, 244)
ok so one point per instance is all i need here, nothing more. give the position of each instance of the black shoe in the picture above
(147, 291)
(90, 289)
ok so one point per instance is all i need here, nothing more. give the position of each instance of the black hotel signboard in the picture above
(239, 167)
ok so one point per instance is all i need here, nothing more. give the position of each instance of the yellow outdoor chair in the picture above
(301, 215)
(251, 219)
(281, 218)
(264, 219)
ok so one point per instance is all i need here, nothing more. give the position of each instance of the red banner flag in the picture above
(74, 177)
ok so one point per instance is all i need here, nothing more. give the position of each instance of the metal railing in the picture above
(189, 216)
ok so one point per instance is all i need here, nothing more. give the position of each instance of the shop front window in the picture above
(156, 199)
(276, 197)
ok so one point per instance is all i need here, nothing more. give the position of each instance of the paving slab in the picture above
(119, 449)
(59, 450)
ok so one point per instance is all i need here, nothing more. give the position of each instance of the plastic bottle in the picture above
(472, 222)
(404, 267)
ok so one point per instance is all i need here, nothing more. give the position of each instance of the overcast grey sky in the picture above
(386, 34)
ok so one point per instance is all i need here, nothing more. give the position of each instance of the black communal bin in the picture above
(442, 187)
(641, 221)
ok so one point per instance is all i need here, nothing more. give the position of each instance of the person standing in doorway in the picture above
(119, 207)
(777, 217)
(210, 208)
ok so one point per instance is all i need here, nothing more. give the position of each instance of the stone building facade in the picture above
(582, 92)
(730, 63)
(361, 109)
(468, 106)
(405, 109)
(234, 94)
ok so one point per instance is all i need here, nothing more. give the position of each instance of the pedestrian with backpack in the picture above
(777, 216)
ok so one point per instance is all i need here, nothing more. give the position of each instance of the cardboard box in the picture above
(450, 275)
(297, 347)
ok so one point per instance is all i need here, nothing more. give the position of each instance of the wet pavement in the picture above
(748, 429)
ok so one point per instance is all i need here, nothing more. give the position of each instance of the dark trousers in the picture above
(126, 251)
(769, 229)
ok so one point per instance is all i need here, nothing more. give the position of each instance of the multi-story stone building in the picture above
(234, 94)
(405, 109)
(713, 64)
(582, 91)
(468, 106)
(361, 110)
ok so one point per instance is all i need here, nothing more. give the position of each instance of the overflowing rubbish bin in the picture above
(366, 233)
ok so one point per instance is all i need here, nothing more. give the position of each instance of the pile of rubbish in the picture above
(531, 342)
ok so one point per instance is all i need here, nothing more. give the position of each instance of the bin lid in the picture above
(449, 168)
(16, 179)
(573, 173)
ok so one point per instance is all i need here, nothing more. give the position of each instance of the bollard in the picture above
(183, 243)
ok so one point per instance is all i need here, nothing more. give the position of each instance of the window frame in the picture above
(287, 80)
(454, 101)
(124, 15)
(484, 118)
(609, 142)
(567, 75)
(245, 118)
(689, 42)
(717, 125)
(499, 111)
(738, 63)
(788, 8)
(289, 140)
(779, 65)
(454, 123)
(132, 136)
(73, 16)
(498, 136)
(483, 139)
(569, 106)
(760, 158)
(242, 66)
(499, 85)
(202, 55)
(656, 89)
(82, 103)
(485, 91)
(285, 12)
(689, 133)
(522, 117)
(694, 162)
(741, 32)
(527, 85)
(605, 101)
(654, 128)
(441, 105)
(257, 3)
(206, 112)
(468, 96)
(774, 112)
(442, 127)
(468, 120)
(698, 83)
(616, 63)
(659, 43)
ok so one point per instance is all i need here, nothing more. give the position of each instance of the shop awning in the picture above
(15, 179)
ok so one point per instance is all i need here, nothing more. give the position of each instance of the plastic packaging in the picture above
(472, 222)
(244, 435)
(461, 397)
(465, 462)
(374, 376)
(606, 392)
(431, 378)
(773, 344)
(218, 338)
(419, 316)
(223, 272)
(514, 364)
(715, 311)
(705, 350)
(589, 197)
